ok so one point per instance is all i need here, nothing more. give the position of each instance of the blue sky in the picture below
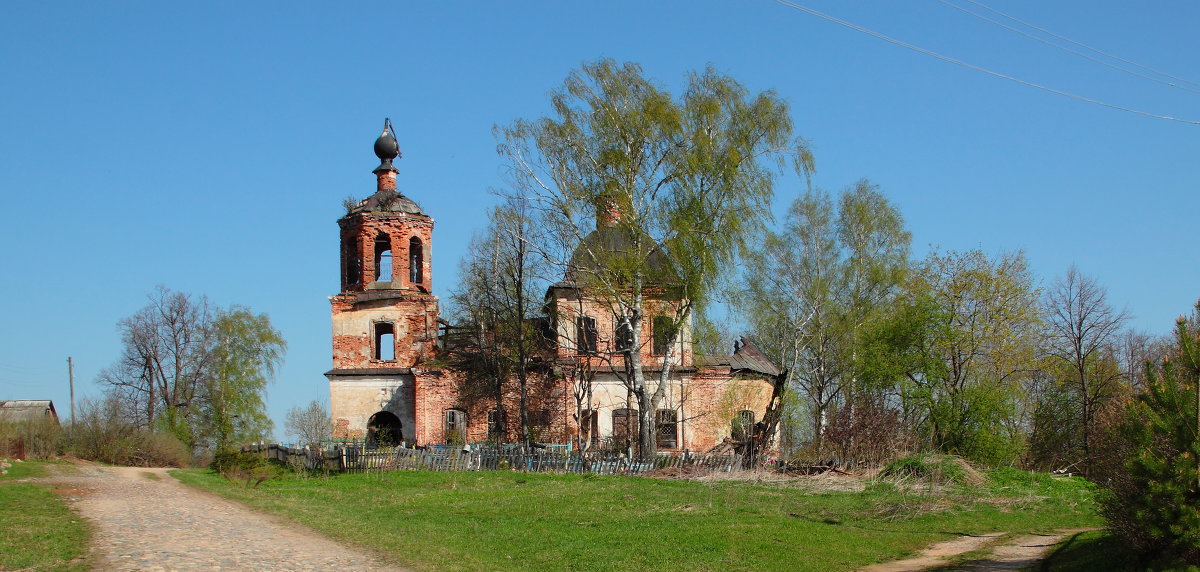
(208, 146)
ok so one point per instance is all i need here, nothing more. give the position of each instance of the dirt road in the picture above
(146, 520)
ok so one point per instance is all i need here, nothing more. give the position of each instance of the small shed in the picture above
(22, 410)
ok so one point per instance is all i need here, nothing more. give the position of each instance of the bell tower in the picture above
(385, 319)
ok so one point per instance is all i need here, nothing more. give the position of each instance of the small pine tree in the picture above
(1154, 502)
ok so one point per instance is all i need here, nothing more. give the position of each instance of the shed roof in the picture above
(17, 410)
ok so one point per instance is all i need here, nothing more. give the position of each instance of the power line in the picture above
(949, 59)
(1066, 49)
(1080, 44)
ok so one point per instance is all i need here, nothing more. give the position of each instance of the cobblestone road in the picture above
(148, 523)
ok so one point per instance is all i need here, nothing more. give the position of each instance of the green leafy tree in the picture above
(1154, 501)
(957, 350)
(245, 354)
(683, 183)
(818, 282)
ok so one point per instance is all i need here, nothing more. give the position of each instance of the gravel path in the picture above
(1014, 554)
(146, 520)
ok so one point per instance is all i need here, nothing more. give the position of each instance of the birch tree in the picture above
(817, 281)
(685, 181)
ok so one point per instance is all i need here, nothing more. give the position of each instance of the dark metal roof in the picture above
(616, 242)
(388, 201)
(746, 357)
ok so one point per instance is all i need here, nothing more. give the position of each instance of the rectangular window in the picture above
(589, 426)
(624, 337)
(496, 429)
(456, 426)
(539, 418)
(666, 428)
(664, 334)
(585, 335)
(624, 427)
(385, 341)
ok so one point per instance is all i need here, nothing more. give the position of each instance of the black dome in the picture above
(386, 146)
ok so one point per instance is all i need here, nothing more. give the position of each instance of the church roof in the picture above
(388, 201)
(746, 357)
(615, 244)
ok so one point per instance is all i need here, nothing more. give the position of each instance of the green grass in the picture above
(37, 530)
(510, 521)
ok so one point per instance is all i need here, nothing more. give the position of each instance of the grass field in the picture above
(510, 521)
(37, 530)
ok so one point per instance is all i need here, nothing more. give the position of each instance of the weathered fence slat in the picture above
(360, 459)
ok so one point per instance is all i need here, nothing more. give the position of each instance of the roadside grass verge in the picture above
(510, 521)
(37, 530)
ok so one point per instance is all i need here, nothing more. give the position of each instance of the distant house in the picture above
(22, 410)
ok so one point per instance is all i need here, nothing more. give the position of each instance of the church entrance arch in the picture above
(384, 430)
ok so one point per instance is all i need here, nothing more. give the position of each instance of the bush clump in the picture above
(935, 469)
(247, 469)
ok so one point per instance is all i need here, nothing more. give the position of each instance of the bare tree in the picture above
(499, 294)
(1084, 335)
(310, 425)
(165, 361)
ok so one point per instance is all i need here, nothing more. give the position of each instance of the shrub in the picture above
(101, 434)
(247, 469)
(935, 469)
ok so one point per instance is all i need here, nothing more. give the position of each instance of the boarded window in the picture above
(383, 258)
(666, 428)
(664, 334)
(455, 428)
(585, 335)
(385, 341)
(624, 427)
(416, 260)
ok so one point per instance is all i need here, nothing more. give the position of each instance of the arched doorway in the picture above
(384, 430)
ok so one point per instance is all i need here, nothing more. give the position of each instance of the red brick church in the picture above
(390, 383)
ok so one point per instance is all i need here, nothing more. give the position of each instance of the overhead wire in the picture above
(1080, 44)
(958, 62)
(1069, 50)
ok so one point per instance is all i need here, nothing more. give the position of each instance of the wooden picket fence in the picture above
(556, 459)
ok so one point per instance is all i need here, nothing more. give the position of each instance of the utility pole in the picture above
(71, 377)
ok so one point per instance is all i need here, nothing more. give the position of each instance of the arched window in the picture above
(416, 260)
(743, 425)
(385, 341)
(383, 258)
(353, 262)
